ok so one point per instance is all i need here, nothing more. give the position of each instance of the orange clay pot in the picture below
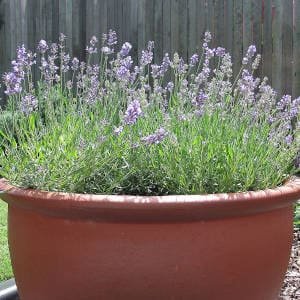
(211, 247)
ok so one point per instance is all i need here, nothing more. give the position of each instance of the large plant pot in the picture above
(210, 247)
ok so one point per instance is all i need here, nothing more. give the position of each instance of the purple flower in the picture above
(24, 59)
(284, 102)
(65, 59)
(165, 65)
(155, 71)
(155, 138)
(247, 84)
(249, 55)
(133, 112)
(91, 48)
(93, 41)
(209, 53)
(289, 139)
(146, 58)
(170, 86)
(112, 38)
(75, 64)
(251, 51)
(106, 50)
(42, 46)
(199, 101)
(62, 38)
(147, 87)
(220, 51)
(207, 37)
(118, 130)
(53, 48)
(13, 83)
(93, 90)
(181, 68)
(158, 90)
(69, 84)
(125, 49)
(28, 104)
(194, 60)
(122, 73)
(147, 55)
(295, 108)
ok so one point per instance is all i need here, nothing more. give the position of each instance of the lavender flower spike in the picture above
(28, 104)
(92, 46)
(250, 53)
(125, 49)
(155, 138)
(133, 112)
(42, 46)
(220, 51)
(194, 60)
(13, 83)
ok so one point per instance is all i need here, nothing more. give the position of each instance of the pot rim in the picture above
(174, 207)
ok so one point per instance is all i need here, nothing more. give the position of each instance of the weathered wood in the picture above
(256, 13)
(175, 25)
(277, 44)
(267, 40)
(167, 26)
(158, 32)
(296, 50)
(287, 51)
(228, 25)
(237, 49)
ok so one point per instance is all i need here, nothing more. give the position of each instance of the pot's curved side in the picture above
(230, 259)
(225, 246)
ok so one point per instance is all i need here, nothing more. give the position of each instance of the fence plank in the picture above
(247, 24)
(277, 44)
(287, 44)
(174, 25)
(256, 12)
(228, 25)
(296, 50)
(167, 26)
(158, 32)
(238, 35)
(267, 40)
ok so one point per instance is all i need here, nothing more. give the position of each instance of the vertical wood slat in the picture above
(256, 13)
(277, 15)
(287, 45)
(141, 26)
(196, 25)
(228, 24)
(267, 40)
(183, 29)
(219, 23)
(237, 47)
(296, 49)
(247, 24)
(158, 32)
(175, 25)
(167, 26)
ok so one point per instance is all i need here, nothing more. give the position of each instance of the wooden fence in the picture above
(272, 25)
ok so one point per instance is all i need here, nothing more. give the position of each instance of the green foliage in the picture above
(67, 151)
(5, 266)
(116, 128)
(297, 215)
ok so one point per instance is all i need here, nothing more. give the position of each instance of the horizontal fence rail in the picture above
(175, 25)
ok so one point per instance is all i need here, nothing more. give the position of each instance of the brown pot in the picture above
(211, 247)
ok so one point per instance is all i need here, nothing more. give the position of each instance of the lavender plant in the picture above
(148, 129)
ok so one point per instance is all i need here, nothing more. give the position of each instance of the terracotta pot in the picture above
(210, 247)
